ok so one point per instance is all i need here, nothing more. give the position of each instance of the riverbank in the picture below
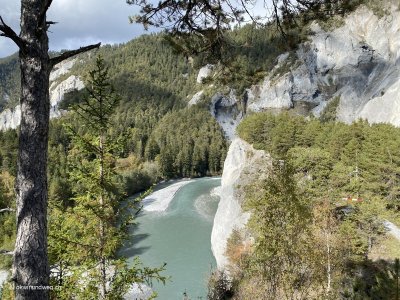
(159, 200)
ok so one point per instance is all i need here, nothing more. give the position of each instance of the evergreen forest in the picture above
(318, 217)
(319, 211)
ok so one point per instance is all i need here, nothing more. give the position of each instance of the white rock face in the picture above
(139, 292)
(204, 72)
(226, 110)
(57, 92)
(3, 277)
(11, 118)
(196, 98)
(392, 229)
(271, 94)
(360, 62)
(61, 69)
(364, 55)
(242, 162)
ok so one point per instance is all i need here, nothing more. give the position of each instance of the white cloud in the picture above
(79, 22)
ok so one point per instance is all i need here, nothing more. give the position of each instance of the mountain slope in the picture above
(354, 67)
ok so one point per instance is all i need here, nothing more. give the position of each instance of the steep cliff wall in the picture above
(242, 163)
(358, 62)
(11, 118)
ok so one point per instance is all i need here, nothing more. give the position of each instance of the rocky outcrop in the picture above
(242, 165)
(57, 91)
(392, 229)
(227, 111)
(196, 98)
(61, 69)
(204, 73)
(3, 277)
(359, 62)
(11, 118)
(139, 291)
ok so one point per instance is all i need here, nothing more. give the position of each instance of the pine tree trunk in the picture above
(30, 267)
(328, 266)
(102, 230)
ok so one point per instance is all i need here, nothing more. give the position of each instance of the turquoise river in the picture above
(180, 237)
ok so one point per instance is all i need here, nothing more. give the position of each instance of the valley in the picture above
(274, 176)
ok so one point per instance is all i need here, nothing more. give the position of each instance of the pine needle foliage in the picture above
(86, 236)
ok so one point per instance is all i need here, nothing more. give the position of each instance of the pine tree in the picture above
(30, 265)
(86, 237)
(282, 259)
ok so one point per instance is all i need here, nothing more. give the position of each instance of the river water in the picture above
(180, 236)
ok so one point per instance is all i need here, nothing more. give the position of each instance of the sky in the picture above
(80, 22)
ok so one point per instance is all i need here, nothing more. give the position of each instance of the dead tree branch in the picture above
(8, 32)
(43, 12)
(6, 252)
(68, 54)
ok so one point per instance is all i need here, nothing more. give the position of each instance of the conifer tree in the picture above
(86, 237)
(282, 259)
(30, 259)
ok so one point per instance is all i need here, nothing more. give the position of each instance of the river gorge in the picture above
(174, 227)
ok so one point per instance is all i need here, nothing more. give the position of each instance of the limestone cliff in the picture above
(11, 118)
(242, 163)
(357, 62)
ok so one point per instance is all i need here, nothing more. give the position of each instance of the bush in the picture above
(219, 286)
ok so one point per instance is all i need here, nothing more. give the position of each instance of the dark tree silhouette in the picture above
(199, 25)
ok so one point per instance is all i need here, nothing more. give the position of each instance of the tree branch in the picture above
(68, 54)
(6, 209)
(43, 12)
(6, 252)
(73, 242)
(7, 31)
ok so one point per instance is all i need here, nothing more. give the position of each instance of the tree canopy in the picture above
(201, 25)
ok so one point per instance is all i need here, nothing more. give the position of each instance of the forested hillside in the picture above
(318, 215)
(9, 82)
(158, 136)
(155, 84)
